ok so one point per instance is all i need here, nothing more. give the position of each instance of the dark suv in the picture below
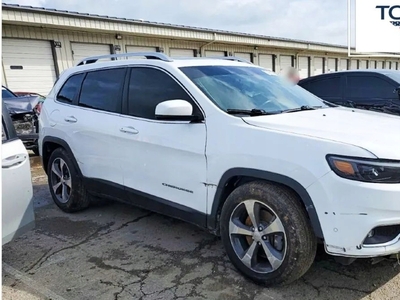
(365, 89)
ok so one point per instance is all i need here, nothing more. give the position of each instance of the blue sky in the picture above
(313, 20)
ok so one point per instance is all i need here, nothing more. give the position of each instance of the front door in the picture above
(17, 206)
(164, 159)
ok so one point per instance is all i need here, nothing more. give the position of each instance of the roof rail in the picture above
(148, 55)
(234, 58)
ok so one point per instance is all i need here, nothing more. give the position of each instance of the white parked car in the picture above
(17, 207)
(230, 147)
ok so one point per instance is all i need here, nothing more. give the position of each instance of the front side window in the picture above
(148, 87)
(369, 87)
(248, 88)
(103, 89)
(70, 89)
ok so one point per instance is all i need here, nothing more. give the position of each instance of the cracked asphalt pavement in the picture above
(116, 251)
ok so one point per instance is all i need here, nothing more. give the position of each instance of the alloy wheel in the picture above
(61, 180)
(257, 236)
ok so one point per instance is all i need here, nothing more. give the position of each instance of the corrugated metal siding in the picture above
(81, 23)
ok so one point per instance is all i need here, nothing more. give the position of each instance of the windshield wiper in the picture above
(251, 112)
(301, 108)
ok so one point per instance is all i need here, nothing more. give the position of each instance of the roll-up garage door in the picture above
(212, 53)
(285, 61)
(343, 64)
(28, 65)
(133, 49)
(353, 64)
(246, 56)
(363, 64)
(140, 49)
(81, 51)
(318, 65)
(266, 61)
(331, 65)
(173, 52)
(303, 67)
(380, 65)
(372, 64)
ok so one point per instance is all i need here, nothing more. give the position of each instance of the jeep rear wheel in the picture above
(266, 233)
(65, 185)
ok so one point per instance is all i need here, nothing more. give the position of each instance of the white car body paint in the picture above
(17, 191)
(196, 156)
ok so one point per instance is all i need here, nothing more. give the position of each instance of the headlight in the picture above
(366, 170)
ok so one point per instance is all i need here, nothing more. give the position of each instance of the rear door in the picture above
(327, 87)
(370, 89)
(17, 207)
(87, 115)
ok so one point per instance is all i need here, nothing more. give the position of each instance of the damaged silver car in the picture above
(24, 112)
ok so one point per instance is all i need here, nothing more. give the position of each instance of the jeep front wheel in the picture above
(266, 233)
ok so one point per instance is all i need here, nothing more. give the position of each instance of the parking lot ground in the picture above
(115, 251)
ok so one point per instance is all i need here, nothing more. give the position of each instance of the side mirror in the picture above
(175, 110)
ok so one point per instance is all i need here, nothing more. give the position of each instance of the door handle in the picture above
(12, 161)
(70, 119)
(129, 130)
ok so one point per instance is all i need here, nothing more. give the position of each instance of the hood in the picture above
(20, 105)
(378, 133)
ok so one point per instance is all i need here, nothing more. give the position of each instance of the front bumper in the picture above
(348, 211)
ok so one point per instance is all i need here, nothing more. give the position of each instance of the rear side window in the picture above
(148, 87)
(369, 87)
(70, 89)
(102, 90)
(325, 88)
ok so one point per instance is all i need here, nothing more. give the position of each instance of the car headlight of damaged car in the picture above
(365, 170)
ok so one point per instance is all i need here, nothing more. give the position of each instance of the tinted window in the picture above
(367, 87)
(148, 87)
(103, 89)
(7, 94)
(325, 88)
(70, 88)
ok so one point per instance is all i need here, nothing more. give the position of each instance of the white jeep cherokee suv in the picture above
(232, 148)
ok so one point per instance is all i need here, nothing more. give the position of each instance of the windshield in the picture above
(6, 94)
(249, 88)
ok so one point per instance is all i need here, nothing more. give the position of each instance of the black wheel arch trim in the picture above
(212, 220)
(63, 144)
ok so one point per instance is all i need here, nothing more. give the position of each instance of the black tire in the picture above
(297, 236)
(79, 197)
